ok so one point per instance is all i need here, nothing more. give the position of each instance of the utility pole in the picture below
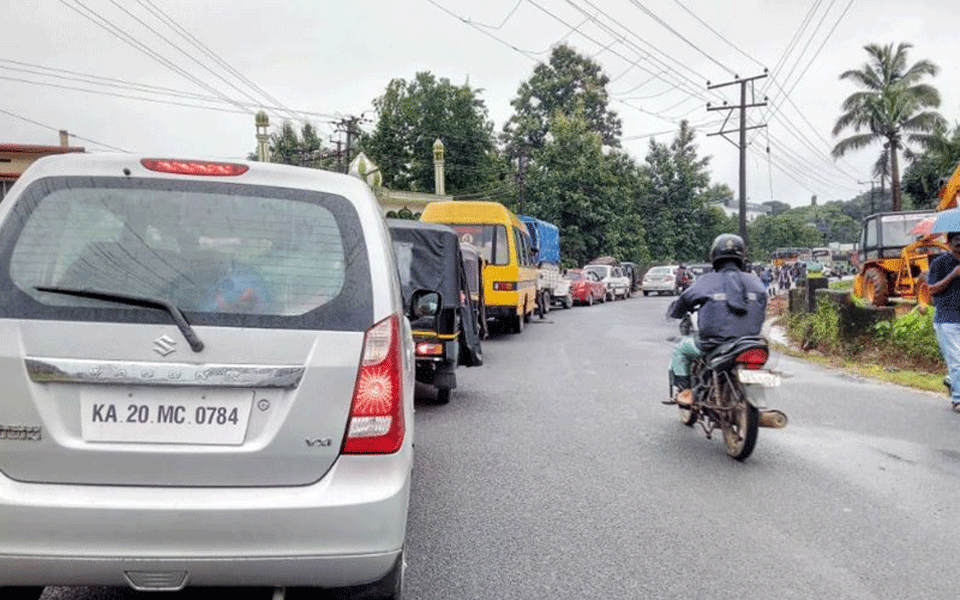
(349, 126)
(340, 161)
(871, 182)
(521, 164)
(743, 106)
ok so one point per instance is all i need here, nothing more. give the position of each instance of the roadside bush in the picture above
(819, 330)
(911, 335)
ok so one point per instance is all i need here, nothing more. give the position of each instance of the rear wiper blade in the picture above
(145, 301)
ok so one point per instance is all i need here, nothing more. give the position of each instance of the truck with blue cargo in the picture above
(552, 287)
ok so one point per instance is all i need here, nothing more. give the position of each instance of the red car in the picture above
(586, 287)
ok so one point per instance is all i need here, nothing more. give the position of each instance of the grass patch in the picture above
(907, 377)
(903, 351)
(841, 284)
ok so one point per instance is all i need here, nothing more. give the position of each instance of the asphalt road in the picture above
(556, 473)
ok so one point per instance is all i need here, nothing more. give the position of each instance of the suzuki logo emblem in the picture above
(164, 345)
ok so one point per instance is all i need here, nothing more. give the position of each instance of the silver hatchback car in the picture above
(207, 379)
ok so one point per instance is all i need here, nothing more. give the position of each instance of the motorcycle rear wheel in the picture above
(740, 435)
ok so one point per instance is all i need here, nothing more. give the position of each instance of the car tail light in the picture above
(193, 167)
(753, 358)
(429, 349)
(505, 286)
(376, 423)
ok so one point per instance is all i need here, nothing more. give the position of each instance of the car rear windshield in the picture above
(224, 254)
(660, 271)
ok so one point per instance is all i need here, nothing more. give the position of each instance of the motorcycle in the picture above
(729, 386)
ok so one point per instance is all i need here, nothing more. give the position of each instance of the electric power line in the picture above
(653, 16)
(193, 40)
(718, 34)
(796, 38)
(505, 19)
(128, 96)
(37, 123)
(179, 49)
(102, 22)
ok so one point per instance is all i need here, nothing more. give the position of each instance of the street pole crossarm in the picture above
(723, 134)
(737, 130)
(735, 82)
(733, 106)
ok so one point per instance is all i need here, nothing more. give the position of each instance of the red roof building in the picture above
(15, 158)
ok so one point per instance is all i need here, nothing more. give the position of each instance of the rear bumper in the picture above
(346, 529)
(580, 294)
(439, 372)
(502, 312)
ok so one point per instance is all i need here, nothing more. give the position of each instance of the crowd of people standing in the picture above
(779, 279)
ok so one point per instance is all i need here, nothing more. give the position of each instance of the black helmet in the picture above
(727, 246)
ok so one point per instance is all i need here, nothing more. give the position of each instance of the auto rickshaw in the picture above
(473, 264)
(429, 258)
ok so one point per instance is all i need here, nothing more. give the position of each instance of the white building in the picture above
(732, 209)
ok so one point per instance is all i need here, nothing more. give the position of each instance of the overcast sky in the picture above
(323, 60)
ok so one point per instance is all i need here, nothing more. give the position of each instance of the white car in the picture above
(208, 379)
(661, 280)
(617, 282)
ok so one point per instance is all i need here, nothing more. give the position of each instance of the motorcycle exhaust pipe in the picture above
(774, 419)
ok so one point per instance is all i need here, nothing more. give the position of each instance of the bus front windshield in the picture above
(490, 239)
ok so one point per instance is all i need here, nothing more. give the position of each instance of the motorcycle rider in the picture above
(731, 304)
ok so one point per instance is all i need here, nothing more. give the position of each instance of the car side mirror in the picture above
(425, 304)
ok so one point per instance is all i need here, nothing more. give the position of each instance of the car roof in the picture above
(110, 164)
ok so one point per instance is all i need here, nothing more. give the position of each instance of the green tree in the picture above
(891, 109)
(776, 207)
(305, 149)
(922, 178)
(680, 221)
(569, 82)
(788, 230)
(412, 115)
(588, 194)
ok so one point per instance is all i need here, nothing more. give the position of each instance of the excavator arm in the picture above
(948, 193)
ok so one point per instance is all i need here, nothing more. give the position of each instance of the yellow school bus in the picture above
(510, 275)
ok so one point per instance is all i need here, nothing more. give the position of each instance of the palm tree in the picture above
(891, 109)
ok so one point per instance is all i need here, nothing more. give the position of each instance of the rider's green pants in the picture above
(684, 354)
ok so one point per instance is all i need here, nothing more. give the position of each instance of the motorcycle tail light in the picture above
(753, 359)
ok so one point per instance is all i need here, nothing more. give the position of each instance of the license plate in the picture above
(764, 378)
(190, 416)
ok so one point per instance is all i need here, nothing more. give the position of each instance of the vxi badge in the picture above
(23, 433)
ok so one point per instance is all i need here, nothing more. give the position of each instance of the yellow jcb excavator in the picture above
(896, 249)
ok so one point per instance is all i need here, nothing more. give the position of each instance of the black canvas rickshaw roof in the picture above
(435, 261)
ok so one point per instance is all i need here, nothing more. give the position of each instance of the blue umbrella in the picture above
(947, 221)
